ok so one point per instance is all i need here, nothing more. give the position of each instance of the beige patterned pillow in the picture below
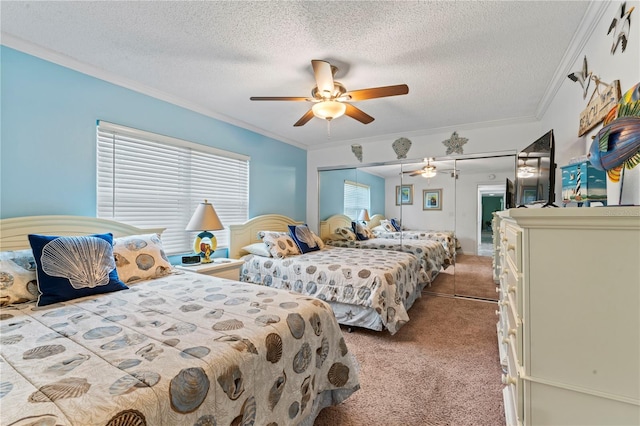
(18, 282)
(386, 224)
(140, 257)
(280, 244)
(346, 233)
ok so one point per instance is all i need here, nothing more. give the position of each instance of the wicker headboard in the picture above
(14, 231)
(244, 234)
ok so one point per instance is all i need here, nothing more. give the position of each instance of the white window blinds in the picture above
(356, 198)
(154, 181)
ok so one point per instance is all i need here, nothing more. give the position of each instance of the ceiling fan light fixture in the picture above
(328, 110)
(429, 172)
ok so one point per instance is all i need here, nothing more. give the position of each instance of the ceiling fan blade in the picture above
(304, 119)
(358, 114)
(324, 77)
(277, 98)
(378, 92)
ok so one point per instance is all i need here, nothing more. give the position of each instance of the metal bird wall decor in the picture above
(583, 77)
(619, 28)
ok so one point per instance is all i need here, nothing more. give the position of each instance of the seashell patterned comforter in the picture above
(382, 283)
(446, 238)
(430, 253)
(182, 349)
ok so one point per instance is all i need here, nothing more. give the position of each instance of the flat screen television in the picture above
(535, 175)
(510, 195)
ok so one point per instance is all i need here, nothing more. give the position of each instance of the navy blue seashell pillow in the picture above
(72, 267)
(304, 237)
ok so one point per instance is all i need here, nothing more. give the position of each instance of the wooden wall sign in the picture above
(605, 96)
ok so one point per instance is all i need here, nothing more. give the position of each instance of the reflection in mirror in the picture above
(480, 190)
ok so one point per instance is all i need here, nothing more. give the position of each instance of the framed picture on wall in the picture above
(432, 199)
(404, 194)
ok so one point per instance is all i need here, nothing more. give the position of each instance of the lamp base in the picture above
(203, 248)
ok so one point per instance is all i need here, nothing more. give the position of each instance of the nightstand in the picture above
(220, 267)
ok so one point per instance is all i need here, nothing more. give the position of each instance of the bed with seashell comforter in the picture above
(179, 348)
(372, 289)
(417, 242)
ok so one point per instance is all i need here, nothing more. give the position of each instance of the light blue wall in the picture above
(331, 191)
(48, 145)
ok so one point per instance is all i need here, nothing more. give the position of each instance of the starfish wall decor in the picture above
(454, 144)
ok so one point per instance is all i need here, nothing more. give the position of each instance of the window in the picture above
(356, 198)
(154, 181)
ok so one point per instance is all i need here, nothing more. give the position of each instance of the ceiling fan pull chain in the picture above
(328, 129)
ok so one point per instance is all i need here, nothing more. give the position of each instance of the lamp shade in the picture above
(328, 110)
(364, 215)
(204, 218)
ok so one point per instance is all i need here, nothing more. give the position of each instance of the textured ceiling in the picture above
(464, 62)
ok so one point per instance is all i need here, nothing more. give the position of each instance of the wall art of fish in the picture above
(617, 144)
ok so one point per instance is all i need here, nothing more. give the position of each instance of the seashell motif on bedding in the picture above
(273, 343)
(149, 352)
(171, 342)
(302, 359)
(45, 351)
(296, 325)
(128, 418)
(338, 374)
(214, 297)
(128, 363)
(316, 324)
(179, 329)
(63, 367)
(4, 316)
(6, 280)
(215, 314)
(11, 340)
(206, 420)
(247, 414)
(305, 391)
(276, 390)
(85, 261)
(102, 332)
(188, 389)
(145, 261)
(294, 409)
(264, 320)
(5, 388)
(133, 381)
(124, 341)
(72, 387)
(135, 244)
(343, 347)
(322, 352)
(239, 343)
(228, 325)
(192, 307)
(232, 382)
(196, 351)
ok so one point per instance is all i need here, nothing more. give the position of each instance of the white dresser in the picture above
(569, 315)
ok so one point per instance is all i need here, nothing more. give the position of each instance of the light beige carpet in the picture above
(441, 368)
(472, 276)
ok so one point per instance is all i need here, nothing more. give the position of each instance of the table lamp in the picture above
(205, 219)
(364, 216)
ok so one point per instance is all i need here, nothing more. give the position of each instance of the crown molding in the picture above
(429, 132)
(73, 64)
(587, 26)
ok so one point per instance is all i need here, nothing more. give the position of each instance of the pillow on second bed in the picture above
(280, 244)
(73, 267)
(258, 249)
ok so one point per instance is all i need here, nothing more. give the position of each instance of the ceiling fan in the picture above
(330, 98)
(428, 171)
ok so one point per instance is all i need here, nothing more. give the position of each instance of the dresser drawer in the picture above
(511, 246)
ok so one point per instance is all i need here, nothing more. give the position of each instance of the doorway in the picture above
(490, 199)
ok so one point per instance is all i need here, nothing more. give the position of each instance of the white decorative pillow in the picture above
(18, 282)
(346, 233)
(140, 257)
(280, 244)
(259, 249)
(386, 224)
